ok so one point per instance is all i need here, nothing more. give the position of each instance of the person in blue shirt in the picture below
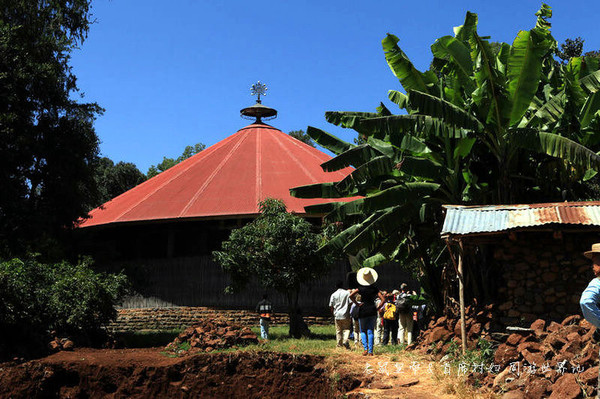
(590, 298)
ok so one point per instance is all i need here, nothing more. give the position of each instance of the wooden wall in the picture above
(199, 281)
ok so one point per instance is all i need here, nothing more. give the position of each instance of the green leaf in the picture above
(398, 98)
(328, 141)
(423, 168)
(374, 168)
(463, 147)
(458, 53)
(465, 31)
(409, 76)
(555, 146)
(348, 119)
(590, 109)
(355, 156)
(398, 195)
(437, 108)
(318, 190)
(524, 71)
(591, 82)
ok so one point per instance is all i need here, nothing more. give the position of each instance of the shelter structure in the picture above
(537, 267)
(163, 231)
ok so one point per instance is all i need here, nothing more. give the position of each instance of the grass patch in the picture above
(147, 338)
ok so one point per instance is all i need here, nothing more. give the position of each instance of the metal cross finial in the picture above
(258, 89)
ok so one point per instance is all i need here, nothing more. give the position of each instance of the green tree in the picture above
(113, 180)
(72, 299)
(279, 250)
(488, 128)
(170, 162)
(302, 136)
(48, 146)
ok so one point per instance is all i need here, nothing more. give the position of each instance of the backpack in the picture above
(391, 312)
(402, 305)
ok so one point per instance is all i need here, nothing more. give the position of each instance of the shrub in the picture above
(72, 299)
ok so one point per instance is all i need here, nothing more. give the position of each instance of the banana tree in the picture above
(476, 129)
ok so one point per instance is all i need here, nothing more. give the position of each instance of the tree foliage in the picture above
(483, 126)
(170, 162)
(113, 179)
(302, 136)
(71, 299)
(277, 249)
(48, 146)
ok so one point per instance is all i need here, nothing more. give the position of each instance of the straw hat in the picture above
(595, 250)
(366, 276)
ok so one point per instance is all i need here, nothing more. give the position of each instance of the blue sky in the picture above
(172, 74)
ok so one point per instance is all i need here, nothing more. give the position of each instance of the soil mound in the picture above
(209, 335)
(147, 373)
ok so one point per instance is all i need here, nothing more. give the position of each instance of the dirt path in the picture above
(400, 375)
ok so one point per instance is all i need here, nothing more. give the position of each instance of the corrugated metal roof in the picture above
(487, 219)
(226, 179)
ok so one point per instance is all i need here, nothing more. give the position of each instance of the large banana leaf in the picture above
(394, 128)
(423, 168)
(374, 168)
(318, 190)
(340, 213)
(464, 31)
(401, 66)
(328, 141)
(398, 195)
(489, 95)
(371, 234)
(398, 98)
(438, 108)
(590, 109)
(458, 53)
(524, 70)
(322, 208)
(355, 156)
(555, 146)
(591, 82)
(348, 119)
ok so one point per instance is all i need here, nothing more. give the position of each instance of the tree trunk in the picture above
(298, 327)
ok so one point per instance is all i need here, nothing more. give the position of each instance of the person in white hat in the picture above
(367, 313)
(590, 298)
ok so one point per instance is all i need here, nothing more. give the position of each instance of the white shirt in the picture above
(340, 301)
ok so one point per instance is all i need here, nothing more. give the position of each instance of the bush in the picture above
(73, 300)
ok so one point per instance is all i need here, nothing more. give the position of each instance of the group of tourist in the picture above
(378, 317)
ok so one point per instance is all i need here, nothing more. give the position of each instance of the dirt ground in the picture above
(144, 373)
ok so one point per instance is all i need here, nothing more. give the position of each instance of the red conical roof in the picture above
(226, 179)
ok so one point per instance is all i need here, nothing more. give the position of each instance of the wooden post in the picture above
(461, 293)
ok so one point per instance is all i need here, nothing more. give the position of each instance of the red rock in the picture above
(537, 388)
(553, 327)
(530, 346)
(585, 324)
(589, 376)
(574, 337)
(68, 345)
(505, 354)
(538, 326)
(514, 339)
(566, 387)
(475, 329)
(439, 333)
(517, 394)
(574, 319)
(54, 346)
(533, 358)
(555, 341)
(571, 347)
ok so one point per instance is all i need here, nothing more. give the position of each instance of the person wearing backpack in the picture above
(405, 316)
(390, 320)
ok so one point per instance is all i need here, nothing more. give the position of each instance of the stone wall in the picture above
(543, 275)
(181, 317)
